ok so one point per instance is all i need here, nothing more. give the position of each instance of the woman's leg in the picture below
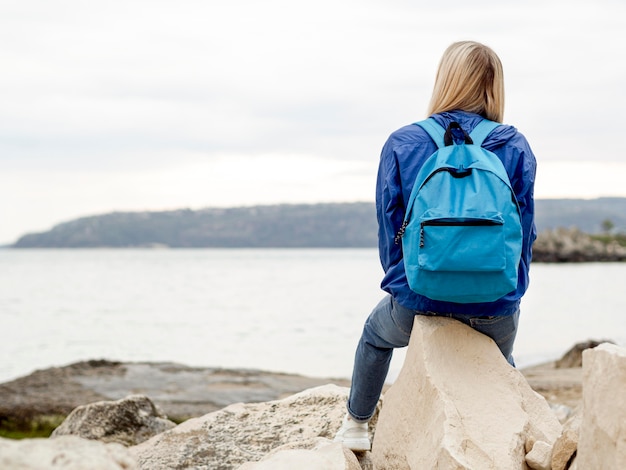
(388, 327)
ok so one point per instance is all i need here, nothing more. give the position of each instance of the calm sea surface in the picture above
(282, 310)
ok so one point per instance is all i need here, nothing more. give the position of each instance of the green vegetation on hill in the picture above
(619, 238)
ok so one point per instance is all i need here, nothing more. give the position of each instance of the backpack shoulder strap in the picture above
(482, 130)
(434, 130)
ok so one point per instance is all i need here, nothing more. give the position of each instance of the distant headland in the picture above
(569, 229)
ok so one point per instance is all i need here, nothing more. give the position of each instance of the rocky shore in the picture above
(570, 245)
(47, 396)
(211, 400)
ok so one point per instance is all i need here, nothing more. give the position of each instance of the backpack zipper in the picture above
(450, 223)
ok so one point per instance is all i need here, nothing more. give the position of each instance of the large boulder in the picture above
(602, 442)
(457, 404)
(241, 433)
(64, 453)
(128, 421)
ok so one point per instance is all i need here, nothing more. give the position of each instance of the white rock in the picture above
(242, 433)
(602, 441)
(64, 453)
(539, 458)
(457, 404)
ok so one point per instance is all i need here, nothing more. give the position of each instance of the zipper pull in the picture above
(400, 233)
(422, 235)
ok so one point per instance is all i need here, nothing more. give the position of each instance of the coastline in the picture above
(41, 400)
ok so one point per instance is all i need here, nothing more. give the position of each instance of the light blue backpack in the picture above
(462, 233)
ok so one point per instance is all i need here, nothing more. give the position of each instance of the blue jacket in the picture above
(402, 156)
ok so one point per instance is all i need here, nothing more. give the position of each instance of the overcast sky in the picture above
(152, 105)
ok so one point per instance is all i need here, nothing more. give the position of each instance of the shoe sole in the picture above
(357, 444)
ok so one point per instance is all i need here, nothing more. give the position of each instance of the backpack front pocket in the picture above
(462, 244)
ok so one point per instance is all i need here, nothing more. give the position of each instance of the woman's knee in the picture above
(389, 325)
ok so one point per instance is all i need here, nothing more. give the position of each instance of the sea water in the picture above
(284, 310)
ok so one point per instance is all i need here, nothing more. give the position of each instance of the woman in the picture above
(469, 86)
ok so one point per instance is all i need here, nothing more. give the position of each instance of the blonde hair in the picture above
(469, 78)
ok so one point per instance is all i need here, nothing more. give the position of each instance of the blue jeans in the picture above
(388, 327)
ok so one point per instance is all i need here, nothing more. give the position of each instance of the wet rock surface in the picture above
(180, 391)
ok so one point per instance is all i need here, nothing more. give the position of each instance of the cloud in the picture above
(48, 198)
(111, 91)
(584, 180)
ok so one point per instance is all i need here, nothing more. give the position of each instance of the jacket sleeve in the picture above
(389, 208)
(523, 183)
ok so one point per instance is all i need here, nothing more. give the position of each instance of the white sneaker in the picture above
(353, 435)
